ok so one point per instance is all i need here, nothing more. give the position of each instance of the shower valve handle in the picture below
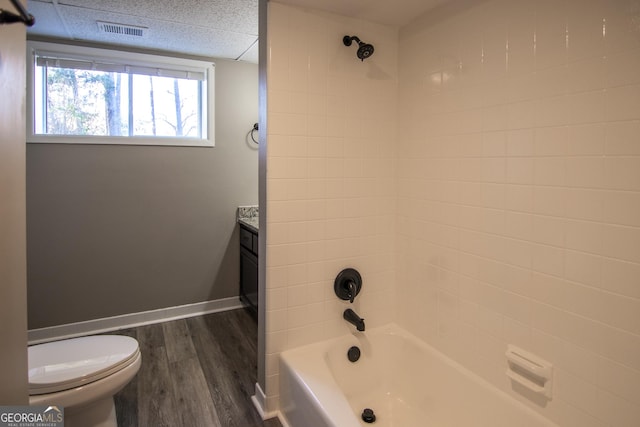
(348, 284)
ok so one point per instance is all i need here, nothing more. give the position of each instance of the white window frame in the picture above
(132, 59)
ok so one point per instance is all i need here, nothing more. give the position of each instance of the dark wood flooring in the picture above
(195, 372)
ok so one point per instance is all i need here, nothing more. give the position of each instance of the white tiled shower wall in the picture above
(505, 207)
(330, 185)
(519, 195)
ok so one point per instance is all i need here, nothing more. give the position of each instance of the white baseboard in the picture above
(283, 420)
(107, 324)
(260, 402)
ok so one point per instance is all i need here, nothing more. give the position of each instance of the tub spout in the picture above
(351, 317)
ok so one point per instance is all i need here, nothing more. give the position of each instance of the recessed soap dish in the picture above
(530, 371)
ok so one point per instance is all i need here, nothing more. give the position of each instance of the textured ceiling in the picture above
(209, 28)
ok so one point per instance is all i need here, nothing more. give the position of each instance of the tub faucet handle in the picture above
(348, 284)
(351, 293)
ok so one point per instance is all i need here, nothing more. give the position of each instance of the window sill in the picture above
(116, 140)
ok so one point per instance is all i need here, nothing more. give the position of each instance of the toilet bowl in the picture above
(82, 375)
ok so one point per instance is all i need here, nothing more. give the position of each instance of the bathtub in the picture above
(403, 380)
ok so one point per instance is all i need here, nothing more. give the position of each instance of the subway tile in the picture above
(494, 118)
(276, 342)
(587, 74)
(622, 138)
(622, 173)
(622, 103)
(623, 68)
(520, 170)
(583, 268)
(584, 236)
(276, 320)
(495, 93)
(622, 207)
(619, 29)
(567, 356)
(519, 225)
(621, 277)
(575, 391)
(518, 253)
(522, 88)
(575, 329)
(619, 379)
(297, 296)
(296, 275)
(552, 111)
(616, 410)
(619, 311)
(489, 321)
(549, 200)
(552, 81)
(584, 32)
(621, 242)
(516, 332)
(494, 169)
(568, 415)
(549, 289)
(521, 115)
(519, 198)
(550, 141)
(551, 48)
(586, 140)
(547, 259)
(587, 107)
(520, 143)
(585, 204)
(620, 346)
(585, 172)
(489, 346)
(494, 144)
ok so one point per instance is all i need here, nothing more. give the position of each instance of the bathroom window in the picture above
(98, 96)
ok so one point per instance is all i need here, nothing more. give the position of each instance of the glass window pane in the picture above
(165, 106)
(82, 102)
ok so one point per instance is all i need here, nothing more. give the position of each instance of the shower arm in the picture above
(348, 39)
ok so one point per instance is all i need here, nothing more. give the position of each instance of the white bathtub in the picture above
(406, 382)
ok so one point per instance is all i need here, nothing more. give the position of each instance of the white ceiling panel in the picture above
(237, 15)
(48, 23)
(212, 28)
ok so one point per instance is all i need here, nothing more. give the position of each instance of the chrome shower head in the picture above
(365, 50)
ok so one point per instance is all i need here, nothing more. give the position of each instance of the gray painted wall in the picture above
(122, 229)
(13, 277)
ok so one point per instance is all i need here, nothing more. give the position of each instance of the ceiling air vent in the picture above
(122, 29)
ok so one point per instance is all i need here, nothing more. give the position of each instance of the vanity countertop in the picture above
(250, 223)
(248, 216)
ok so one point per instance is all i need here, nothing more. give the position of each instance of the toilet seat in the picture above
(71, 363)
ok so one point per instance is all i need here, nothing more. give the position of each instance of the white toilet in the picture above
(82, 375)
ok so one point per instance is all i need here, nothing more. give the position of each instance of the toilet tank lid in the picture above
(76, 360)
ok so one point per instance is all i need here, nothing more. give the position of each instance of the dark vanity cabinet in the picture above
(249, 267)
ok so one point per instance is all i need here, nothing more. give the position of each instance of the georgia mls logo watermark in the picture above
(31, 416)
